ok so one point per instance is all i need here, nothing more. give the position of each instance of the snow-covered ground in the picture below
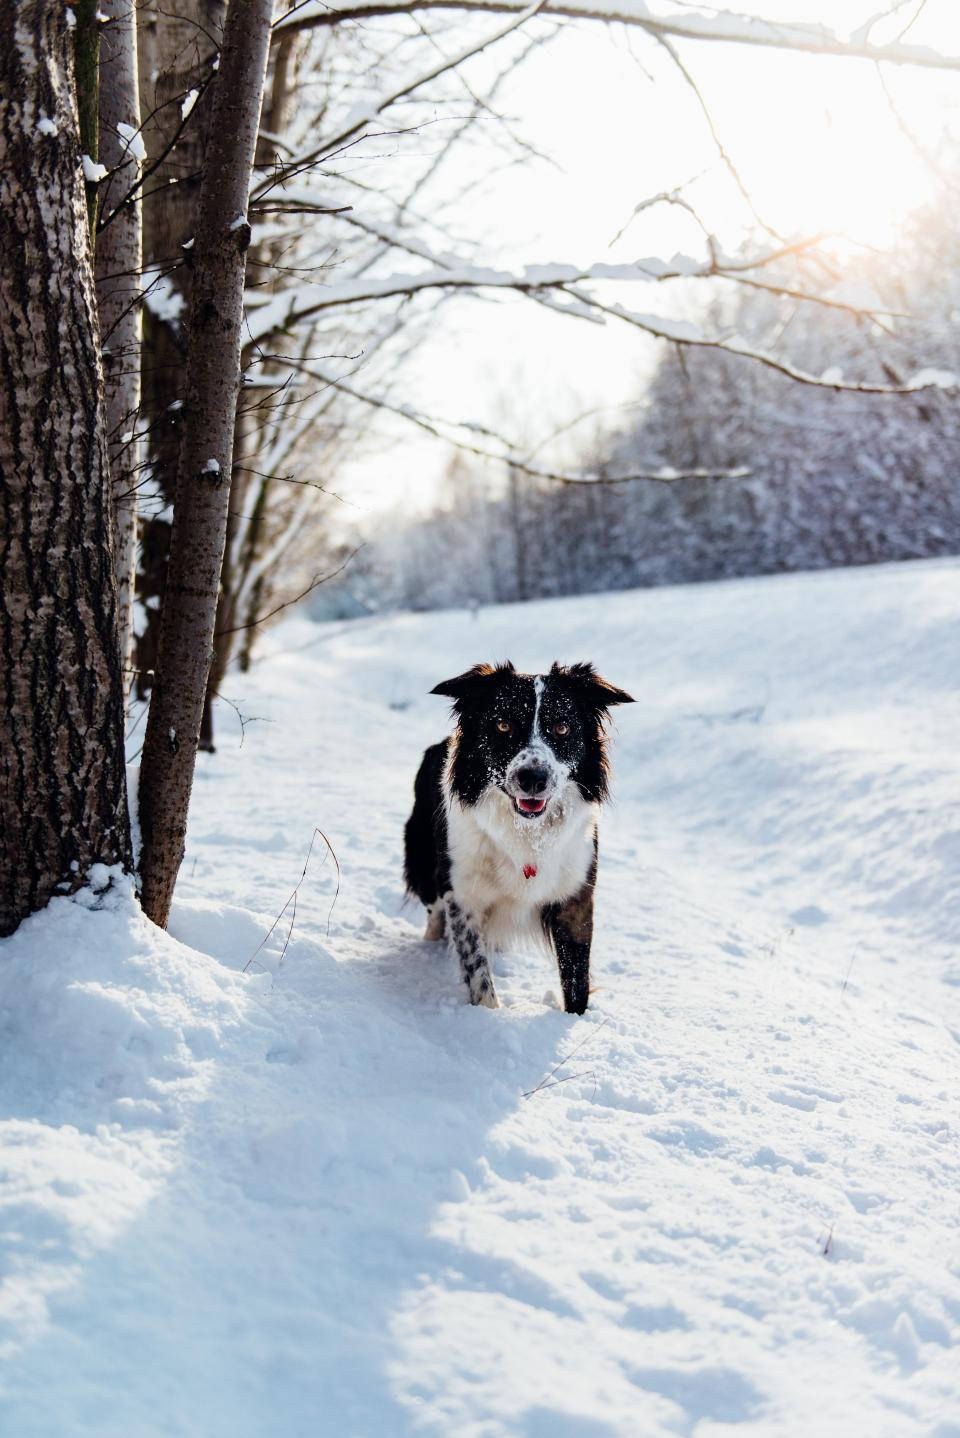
(320, 1197)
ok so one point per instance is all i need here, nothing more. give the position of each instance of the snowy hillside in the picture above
(320, 1197)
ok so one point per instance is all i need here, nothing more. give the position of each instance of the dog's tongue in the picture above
(532, 806)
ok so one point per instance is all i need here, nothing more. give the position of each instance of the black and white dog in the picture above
(502, 841)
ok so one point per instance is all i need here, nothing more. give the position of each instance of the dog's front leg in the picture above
(570, 926)
(466, 938)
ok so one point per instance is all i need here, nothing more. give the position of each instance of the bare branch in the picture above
(355, 126)
(508, 455)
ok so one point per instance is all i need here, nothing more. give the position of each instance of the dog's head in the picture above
(530, 735)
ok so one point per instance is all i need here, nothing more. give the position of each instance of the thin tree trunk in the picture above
(203, 480)
(63, 803)
(226, 601)
(118, 265)
(274, 118)
(519, 526)
(87, 42)
(177, 49)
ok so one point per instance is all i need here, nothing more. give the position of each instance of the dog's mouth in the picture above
(529, 807)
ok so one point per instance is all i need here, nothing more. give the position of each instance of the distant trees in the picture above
(772, 475)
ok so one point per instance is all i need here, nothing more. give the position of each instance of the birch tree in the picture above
(63, 801)
(206, 453)
(119, 257)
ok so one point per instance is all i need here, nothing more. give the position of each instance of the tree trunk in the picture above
(276, 105)
(226, 602)
(63, 803)
(518, 522)
(177, 48)
(203, 479)
(86, 39)
(118, 265)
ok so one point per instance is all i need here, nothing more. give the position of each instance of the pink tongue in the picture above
(532, 806)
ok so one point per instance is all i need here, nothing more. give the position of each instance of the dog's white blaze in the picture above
(536, 736)
(537, 751)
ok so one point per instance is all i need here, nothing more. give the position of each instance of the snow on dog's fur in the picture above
(502, 841)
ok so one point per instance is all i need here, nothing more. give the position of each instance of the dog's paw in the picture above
(483, 992)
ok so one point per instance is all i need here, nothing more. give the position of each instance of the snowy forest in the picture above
(345, 347)
(755, 473)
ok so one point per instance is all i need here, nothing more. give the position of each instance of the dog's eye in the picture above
(504, 726)
(561, 729)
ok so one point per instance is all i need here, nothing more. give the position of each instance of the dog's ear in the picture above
(464, 686)
(597, 693)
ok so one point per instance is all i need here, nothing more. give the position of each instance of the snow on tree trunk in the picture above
(118, 264)
(63, 803)
(203, 479)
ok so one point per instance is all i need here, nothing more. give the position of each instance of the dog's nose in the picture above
(533, 779)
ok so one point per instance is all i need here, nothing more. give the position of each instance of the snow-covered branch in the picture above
(725, 27)
(563, 284)
(686, 334)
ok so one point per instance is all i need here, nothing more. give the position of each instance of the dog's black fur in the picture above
(503, 832)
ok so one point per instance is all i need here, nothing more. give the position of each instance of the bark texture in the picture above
(203, 476)
(63, 802)
(118, 265)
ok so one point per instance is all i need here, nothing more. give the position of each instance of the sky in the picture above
(814, 140)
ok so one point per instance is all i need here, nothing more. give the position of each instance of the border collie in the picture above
(502, 841)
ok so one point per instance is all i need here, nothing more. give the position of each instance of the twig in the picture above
(293, 900)
(314, 584)
(545, 1082)
(772, 948)
(508, 456)
(245, 719)
(843, 986)
(586, 1073)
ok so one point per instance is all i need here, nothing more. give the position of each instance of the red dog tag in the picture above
(529, 871)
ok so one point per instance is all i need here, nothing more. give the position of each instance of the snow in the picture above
(303, 1189)
(211, 466)
(93, 171)
(188, 102)
(161, 297)
(133, 140)
(46, 126)
(308, 299)
(931, 378)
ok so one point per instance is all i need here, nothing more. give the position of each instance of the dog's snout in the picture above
(533, 778)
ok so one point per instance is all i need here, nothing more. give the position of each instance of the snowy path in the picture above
(313, 1201)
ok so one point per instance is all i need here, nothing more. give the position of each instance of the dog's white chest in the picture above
(504, 870)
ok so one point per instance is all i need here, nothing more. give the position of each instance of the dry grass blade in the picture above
(549, 1080)
(292, 901)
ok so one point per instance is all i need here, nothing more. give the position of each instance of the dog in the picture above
(502, 840)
